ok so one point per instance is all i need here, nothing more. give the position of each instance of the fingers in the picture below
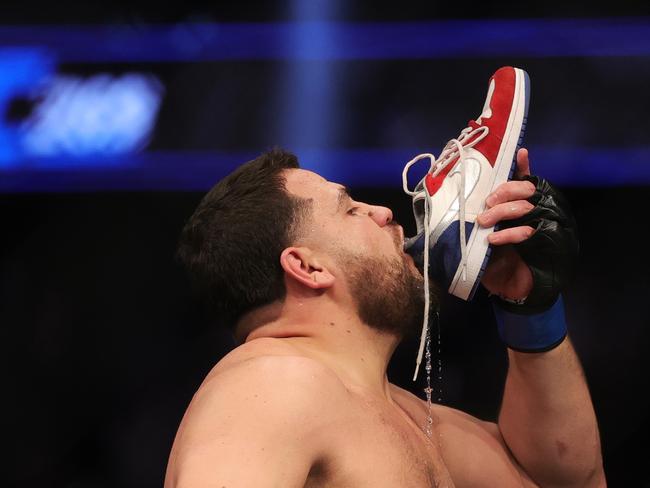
(514, 235)
(509, 191)
(508, 202)
(504, 211)
(523, 164)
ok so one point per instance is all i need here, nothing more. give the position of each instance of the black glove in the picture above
(551, 252)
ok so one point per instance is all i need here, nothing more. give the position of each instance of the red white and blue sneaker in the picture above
(452, 194)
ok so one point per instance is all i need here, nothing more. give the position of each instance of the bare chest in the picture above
(381, 447)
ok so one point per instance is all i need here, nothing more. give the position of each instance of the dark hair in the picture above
(231, 245)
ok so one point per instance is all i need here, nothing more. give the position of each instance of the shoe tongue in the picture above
(415, 247)
(473, 124)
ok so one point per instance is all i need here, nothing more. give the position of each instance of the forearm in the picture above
(547, 418)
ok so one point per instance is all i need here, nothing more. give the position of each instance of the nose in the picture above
(381, 215)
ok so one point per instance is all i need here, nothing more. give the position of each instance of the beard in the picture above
(389, 294)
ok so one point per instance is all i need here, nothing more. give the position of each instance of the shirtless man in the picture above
(319, 290)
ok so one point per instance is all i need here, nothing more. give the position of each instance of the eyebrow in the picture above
(343, 197)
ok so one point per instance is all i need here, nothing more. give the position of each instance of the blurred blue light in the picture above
(22, 71)
(345, 40)
(308, 96)
(83, 135)
(198, 171)
(101, 115)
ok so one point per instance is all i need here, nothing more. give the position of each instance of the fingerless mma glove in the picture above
(537, 323)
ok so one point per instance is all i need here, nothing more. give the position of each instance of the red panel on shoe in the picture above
(434, 184)
(501, 105)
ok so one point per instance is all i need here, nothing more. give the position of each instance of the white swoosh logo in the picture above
(472, 174)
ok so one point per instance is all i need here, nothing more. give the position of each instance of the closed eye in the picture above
(353, 211)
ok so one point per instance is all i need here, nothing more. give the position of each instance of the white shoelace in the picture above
(454, 149)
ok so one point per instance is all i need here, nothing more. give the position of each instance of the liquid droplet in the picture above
(428, 428)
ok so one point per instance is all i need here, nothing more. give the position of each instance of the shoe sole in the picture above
(478, 247)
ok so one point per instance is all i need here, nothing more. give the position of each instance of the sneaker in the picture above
(452, 194)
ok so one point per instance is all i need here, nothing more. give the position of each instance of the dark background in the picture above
(103, 346)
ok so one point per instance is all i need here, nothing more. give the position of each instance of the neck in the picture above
(333, 335)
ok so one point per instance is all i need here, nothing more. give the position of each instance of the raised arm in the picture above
(254, 424)
(547, 419)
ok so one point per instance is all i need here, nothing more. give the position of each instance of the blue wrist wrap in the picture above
(532, 333)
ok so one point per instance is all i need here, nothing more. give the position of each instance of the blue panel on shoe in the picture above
(444, 255)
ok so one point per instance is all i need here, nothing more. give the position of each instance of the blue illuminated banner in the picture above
(338, 40)
(90, 131)
(198, 171)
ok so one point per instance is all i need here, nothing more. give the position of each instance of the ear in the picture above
(300, 264)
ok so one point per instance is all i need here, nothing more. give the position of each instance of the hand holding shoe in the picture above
(535, 251)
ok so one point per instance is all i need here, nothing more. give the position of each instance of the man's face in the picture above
(365, 247)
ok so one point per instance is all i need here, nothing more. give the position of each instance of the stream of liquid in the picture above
(428, 428)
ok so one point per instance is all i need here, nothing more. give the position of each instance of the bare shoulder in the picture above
(258, 348)
(256, 409)
(270, 375)
(274, 360)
